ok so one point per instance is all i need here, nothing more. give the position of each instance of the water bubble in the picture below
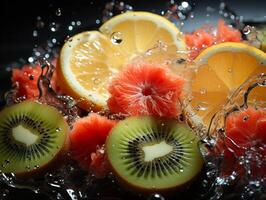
(36, 167)
(70, 28)
(78, 23)
(203, 91)
(229, 70)
(54, 40)
(116, 38)
(96, 80)
(245, 118)
(31, 77)
(247, 30)
(73, 23)
(156, 196)
(4, 193)
(35, 33)
(58, 129)
(58, 12)
(202, 106)
(72, 194)
(40, 24)
(230, 14)
(115, 7)
(54, 26)
(30, 59)
(97, 21)
(184, 4)
(178, 11)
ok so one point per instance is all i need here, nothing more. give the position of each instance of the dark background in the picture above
(18, 20)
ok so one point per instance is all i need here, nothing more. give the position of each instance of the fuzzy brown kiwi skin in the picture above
(59, 159)
(168, 192)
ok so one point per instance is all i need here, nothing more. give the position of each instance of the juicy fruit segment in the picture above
(99, 165)
(29, 141)
(246, 129)
(88, 60)
(222, 69)
(206, 36)
(145, 89)
(226, 33)
(88, 133)
(25, 81)
(150, 154)
(245, 138)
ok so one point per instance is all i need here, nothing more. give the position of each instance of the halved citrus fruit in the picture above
(88, 60)
(221, 69)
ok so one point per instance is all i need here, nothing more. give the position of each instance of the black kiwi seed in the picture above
(153, 155)
(29, 139)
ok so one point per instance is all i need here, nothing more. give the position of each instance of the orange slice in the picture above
(221, 69)
(89, 60)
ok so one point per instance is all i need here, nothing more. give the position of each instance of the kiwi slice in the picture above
(32, 136)
(153, 155)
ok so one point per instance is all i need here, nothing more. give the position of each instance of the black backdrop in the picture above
(18, 19)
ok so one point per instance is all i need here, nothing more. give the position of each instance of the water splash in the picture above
(114, 8)
(246, 184)
(230, 15)
(179, 11)
(65, 104)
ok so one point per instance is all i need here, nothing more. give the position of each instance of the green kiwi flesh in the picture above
(32, 136)
(153, 155)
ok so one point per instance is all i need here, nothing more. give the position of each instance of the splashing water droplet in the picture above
(156, 196)
(70, 28)
(39, 24)
(203, 91)
(116, 38)
(58, 129)
(35, 33)
(30, 59)
(97, 21)
(247, 30)
(113, 8)
(54, 26)
(58, 12)
(201, 106)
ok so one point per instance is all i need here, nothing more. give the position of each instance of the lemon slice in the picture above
(221, 69)
(90, 59)
(140, 31)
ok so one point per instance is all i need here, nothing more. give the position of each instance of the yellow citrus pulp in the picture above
(221, 69)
